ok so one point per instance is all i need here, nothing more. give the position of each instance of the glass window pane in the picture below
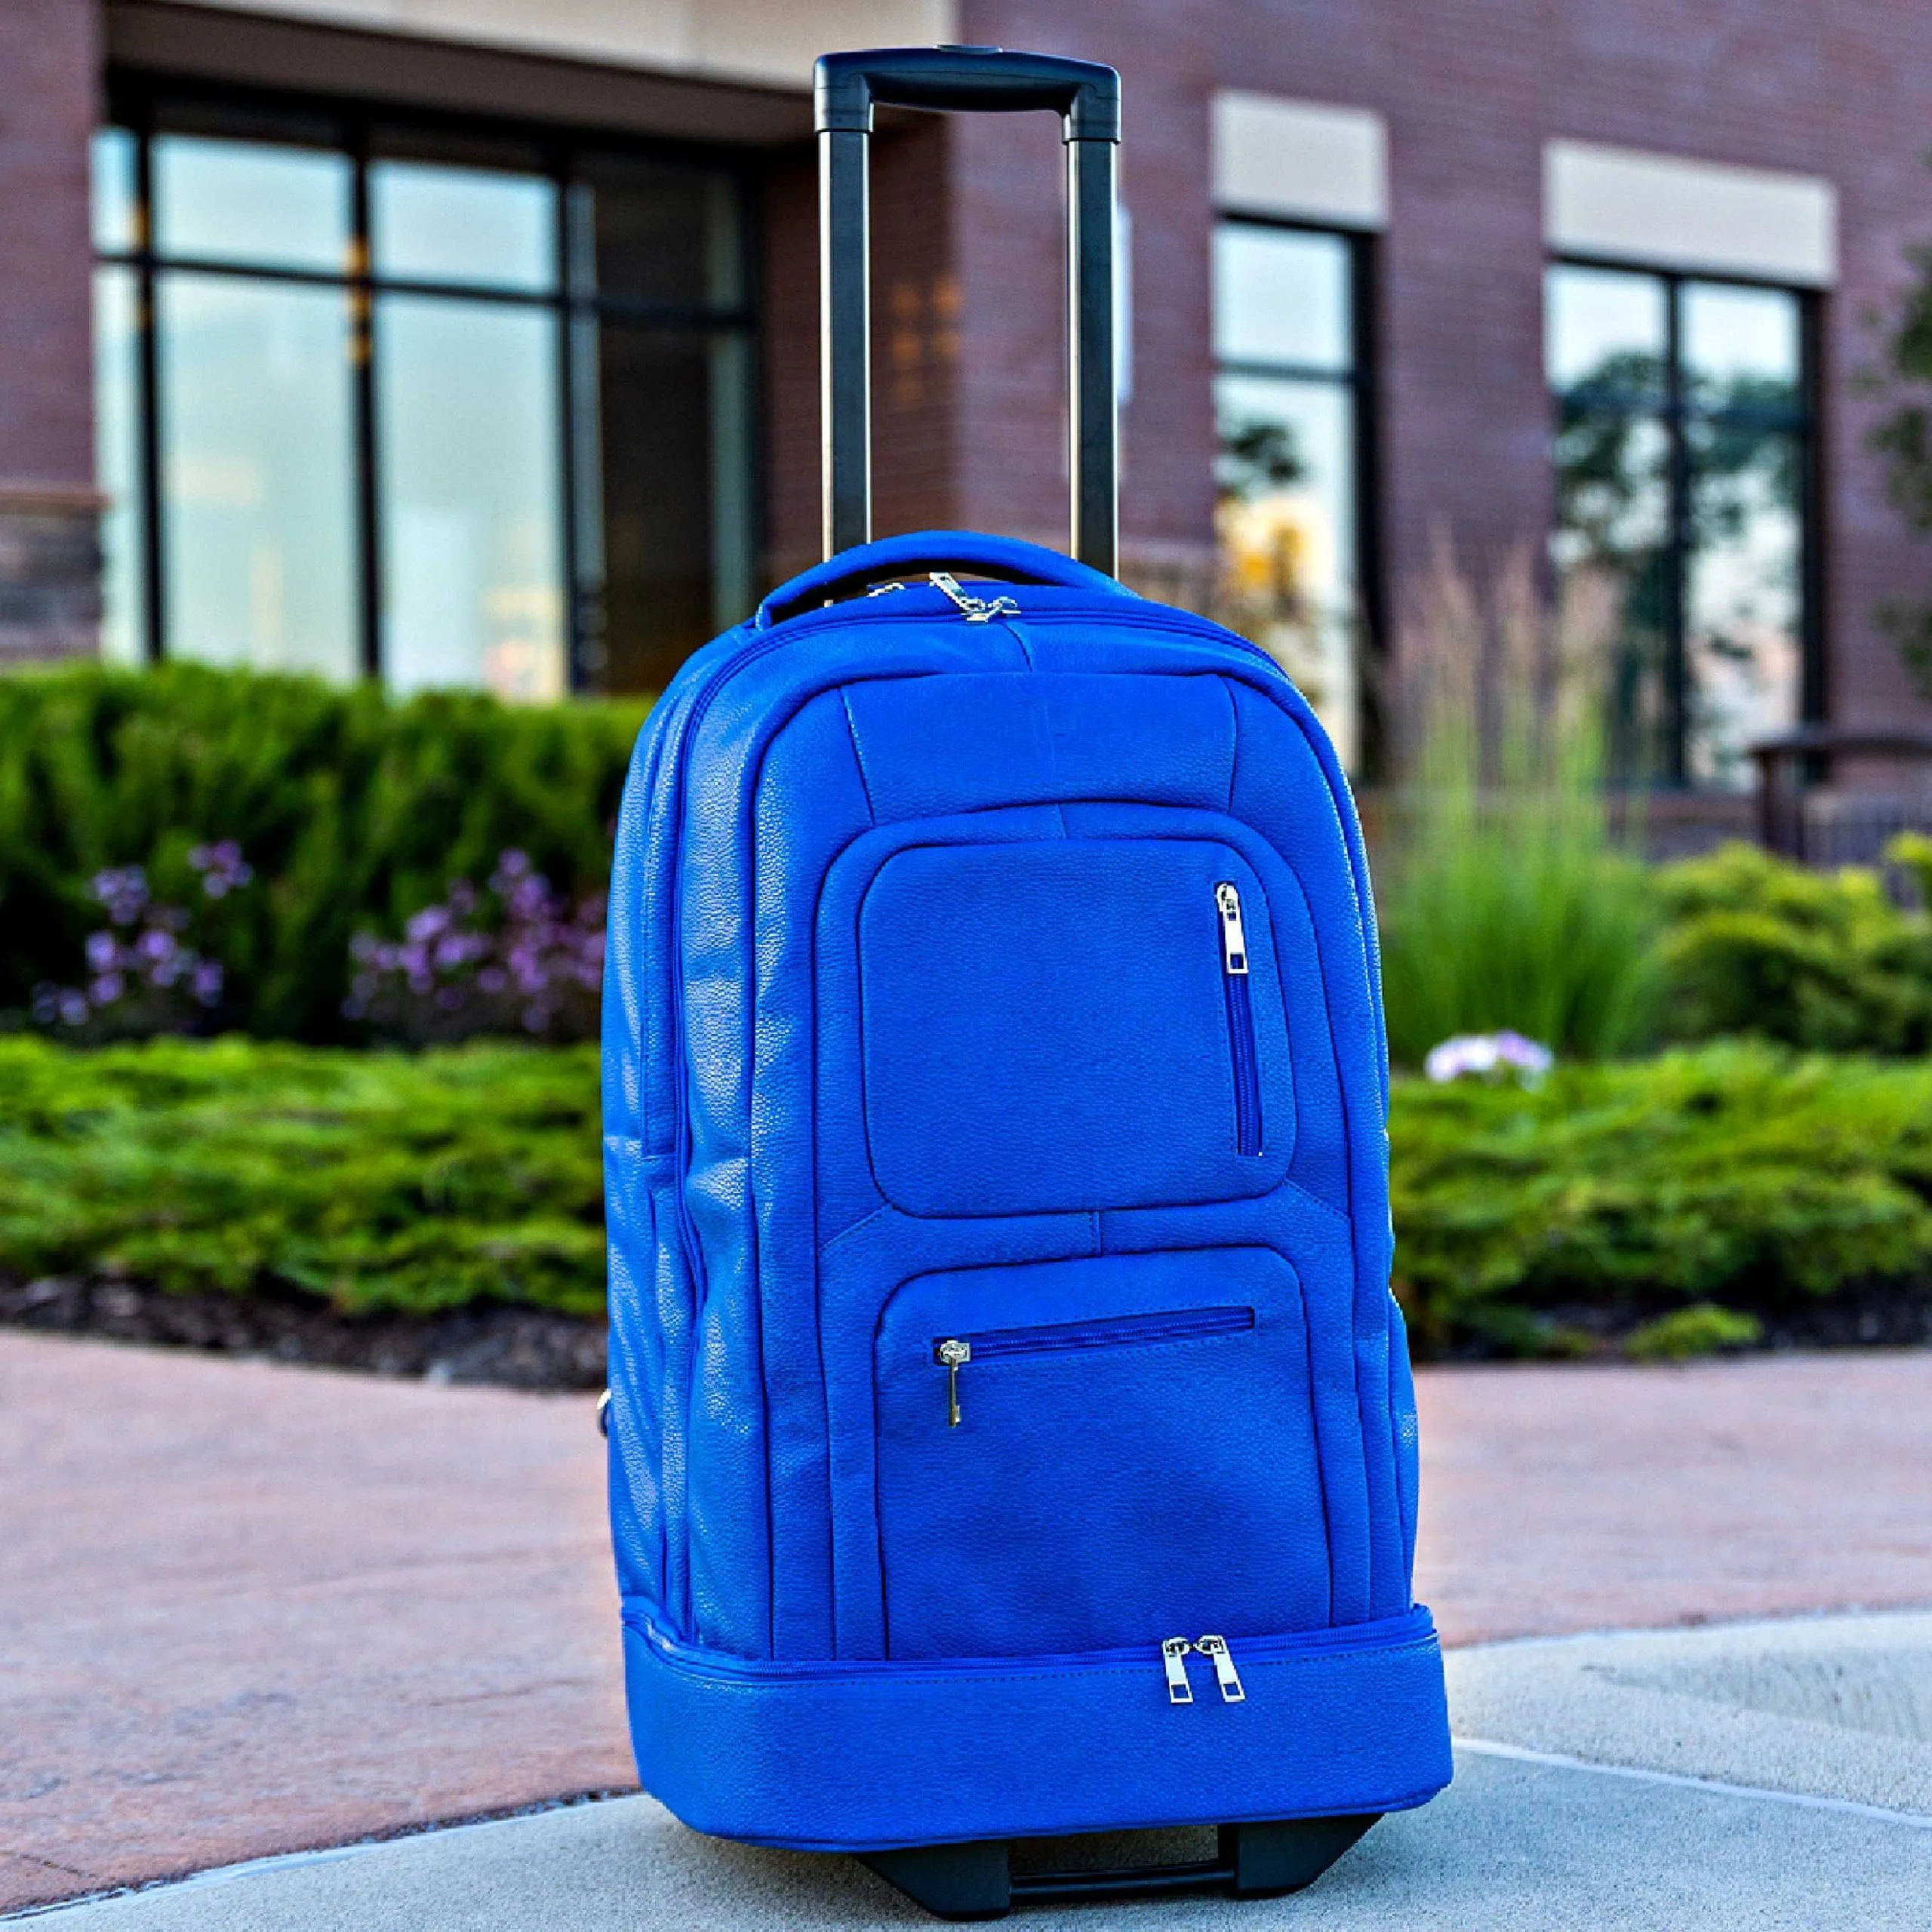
(115, 225)
(1741, 345)
(1285, 520)
(1611, 550)
(651, 232)
(256, 467)
(1742, 640)
(671, 411)
(117, 444)
(434, 223)
(470, 443)
(1281, 296)
(1606, 330)
(250, 201)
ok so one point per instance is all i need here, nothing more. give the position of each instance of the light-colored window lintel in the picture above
(1301, 161)
(1661, 211)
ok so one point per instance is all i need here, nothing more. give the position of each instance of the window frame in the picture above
(144, 106)
(1360, 381)
(1804, 424)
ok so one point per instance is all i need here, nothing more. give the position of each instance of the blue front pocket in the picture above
(1136, 1457)
(1046, 1028)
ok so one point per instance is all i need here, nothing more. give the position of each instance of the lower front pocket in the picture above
(1080, 1455)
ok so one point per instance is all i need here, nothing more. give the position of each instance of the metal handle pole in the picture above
(1093, 414)
(844, 322)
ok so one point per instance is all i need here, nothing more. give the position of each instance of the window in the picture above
(1290, 482)
(1683, 471)
(450, 411)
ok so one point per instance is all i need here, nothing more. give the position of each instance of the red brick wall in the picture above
(49, 61)
(915, 344)
(1471, 91)
(48, 83)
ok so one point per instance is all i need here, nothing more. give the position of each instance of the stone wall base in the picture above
(50, 572)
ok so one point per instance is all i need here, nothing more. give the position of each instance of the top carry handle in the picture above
(1086, 95)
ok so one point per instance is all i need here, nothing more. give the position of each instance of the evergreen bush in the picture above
(1670, 1201)
(1753, 945)
(351, 810)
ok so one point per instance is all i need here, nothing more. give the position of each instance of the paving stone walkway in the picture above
(246, 1609)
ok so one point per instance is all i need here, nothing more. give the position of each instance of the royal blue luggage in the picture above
(1011, 1432)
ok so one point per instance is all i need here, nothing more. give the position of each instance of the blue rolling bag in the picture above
(1011, 1432)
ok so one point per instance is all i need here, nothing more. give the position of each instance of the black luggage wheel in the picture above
(1257, 1861)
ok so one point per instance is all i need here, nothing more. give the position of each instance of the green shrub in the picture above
(354, 811)
(369, 1180)
(1737, 1178)
(1756, 946)
(1702, 1329)
(1734, 1173)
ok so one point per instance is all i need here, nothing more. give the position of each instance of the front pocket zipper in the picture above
(953, 1352)
(1240, 1019)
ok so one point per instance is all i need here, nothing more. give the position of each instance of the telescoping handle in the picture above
(1086, 95)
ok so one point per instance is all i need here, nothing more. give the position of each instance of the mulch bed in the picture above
(528, 1348)
(519, 1348)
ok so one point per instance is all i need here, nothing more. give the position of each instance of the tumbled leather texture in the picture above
(919, 1026)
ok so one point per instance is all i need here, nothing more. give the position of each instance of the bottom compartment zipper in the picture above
(1173, 1657)
(1413, 1626)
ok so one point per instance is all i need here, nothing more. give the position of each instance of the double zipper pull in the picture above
(974, 609)
(1225, 1675)
(953, 1356)
(1173, 1659)
(1234, 940)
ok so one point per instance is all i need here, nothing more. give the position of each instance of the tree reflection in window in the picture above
(1681, 454)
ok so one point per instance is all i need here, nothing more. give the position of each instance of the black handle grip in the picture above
(966, 80)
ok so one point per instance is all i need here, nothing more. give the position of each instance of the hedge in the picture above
(1736, 1175)
(371, 1181)
(353, 810)
(1730, 1179)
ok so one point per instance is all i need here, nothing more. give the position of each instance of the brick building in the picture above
(473, 341)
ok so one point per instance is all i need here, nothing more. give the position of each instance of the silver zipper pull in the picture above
(884, 589)
(953, 1356)
(1234, 940)
(1225, 1675)
(974, 609)
(1173, 1659)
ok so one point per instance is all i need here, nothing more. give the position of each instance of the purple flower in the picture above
(223, 869)
(1486, 1055)
(73, 1008)
(103, 949)
(428, 923)
(205, 981)
(123, 890)
(155, 945)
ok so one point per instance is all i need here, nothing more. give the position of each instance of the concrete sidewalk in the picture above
(1589, 1804)
(246, 1609)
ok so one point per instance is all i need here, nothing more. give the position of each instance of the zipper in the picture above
(1173, 1659)
(974, 609)
(1413, 1626)
(953, 1352)
(1241, 1018)
(1225, 1675)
